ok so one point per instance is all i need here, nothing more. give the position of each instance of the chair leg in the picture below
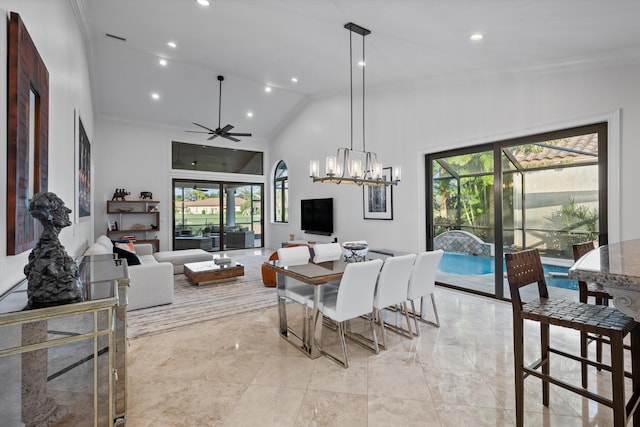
(617, 380)
(382, 329)
(406, 316)
(435, 310)
(518, 356)
(373, 332)
(415, 318)
(583, 353)
(635, 370)
(546, 369)
(343, 343)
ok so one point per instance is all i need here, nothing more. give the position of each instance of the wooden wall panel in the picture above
(26, 73)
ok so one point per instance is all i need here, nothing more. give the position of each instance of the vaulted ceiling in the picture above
(260, 43)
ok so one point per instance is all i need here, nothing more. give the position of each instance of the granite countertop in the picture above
(616, 265)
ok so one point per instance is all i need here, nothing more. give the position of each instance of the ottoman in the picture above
(180, 258)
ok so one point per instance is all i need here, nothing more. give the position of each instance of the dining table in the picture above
(614, 268)
(313, 274)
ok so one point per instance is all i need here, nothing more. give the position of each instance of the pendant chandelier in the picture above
(351, 166)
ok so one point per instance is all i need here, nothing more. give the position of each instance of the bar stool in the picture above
(524, 268)
(600, 297)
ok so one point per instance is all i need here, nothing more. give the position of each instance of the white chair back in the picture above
(423, 276)
(355, 294)
(327, 252)
(295, 255)
(393, 281)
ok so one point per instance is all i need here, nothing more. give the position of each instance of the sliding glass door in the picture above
(545, 191)
(216, 216)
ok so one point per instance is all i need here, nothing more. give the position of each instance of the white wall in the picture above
(55, 32)
(406, 121)
(137, 157)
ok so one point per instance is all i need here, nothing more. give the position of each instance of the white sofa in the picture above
(151, 282)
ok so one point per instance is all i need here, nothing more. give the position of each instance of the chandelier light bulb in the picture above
(314, 168)
(397, 173)
(356, 169)
(330, 165)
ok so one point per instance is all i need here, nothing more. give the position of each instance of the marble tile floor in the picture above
(238, 372)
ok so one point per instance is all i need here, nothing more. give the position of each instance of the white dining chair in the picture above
(295, 290)
(353, 299)
(391, 291)
(422, 283)
(324, 252)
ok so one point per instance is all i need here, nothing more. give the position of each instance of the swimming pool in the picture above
(465, 264)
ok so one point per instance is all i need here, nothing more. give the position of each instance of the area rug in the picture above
(210, 300)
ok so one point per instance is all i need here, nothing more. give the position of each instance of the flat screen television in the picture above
(317, 216)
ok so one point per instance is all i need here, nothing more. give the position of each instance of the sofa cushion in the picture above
(179, 258)
(97, 249)
(132, 258)
(106, 242)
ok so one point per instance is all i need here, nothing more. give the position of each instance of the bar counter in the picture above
(616, 269)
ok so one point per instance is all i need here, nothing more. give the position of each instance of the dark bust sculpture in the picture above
(52, 274)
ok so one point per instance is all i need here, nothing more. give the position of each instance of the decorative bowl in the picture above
(125, 209)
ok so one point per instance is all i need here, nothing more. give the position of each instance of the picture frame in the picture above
(378, 201)
(27, 135)
(83, 171)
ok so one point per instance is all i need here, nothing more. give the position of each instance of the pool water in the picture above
(466, 264)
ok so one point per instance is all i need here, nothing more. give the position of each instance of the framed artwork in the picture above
(378, 201)
(83, 169)
(27, 135)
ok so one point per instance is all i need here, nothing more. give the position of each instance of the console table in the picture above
(67, 363)
(616, 269)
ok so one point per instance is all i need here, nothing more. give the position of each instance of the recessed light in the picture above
(267, 89)
(249, 114)
(163, 62)
(476, 37)
(203, 2)
(294, 79)
(171, 44)
(155, 96)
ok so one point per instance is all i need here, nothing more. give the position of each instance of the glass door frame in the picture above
(497, 147)
(222, 186)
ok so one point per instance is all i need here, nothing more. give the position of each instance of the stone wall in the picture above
(462, 242)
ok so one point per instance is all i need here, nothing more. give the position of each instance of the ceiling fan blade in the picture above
(215, 135)
(196, 131)
(238, 134)
(226, 129)
(226, 135)
(209, 129)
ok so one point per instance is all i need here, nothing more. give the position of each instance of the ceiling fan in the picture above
(222, 132)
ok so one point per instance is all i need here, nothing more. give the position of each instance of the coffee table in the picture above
(206, 271)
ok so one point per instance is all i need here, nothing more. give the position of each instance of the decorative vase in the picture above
(292, 237)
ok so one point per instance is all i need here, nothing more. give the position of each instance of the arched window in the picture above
(281, 192)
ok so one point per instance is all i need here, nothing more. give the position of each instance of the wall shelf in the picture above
(124, 215)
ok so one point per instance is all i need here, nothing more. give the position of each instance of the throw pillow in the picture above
(126, 245)
(132, 258)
